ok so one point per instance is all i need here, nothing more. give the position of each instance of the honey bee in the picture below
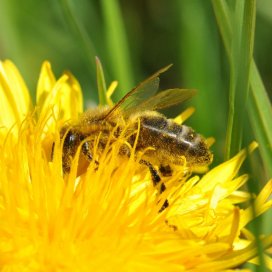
(165, 142)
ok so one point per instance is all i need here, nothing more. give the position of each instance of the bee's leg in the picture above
(154, 174)
(156, 179)
(166, 170)
(164, 206)
(52, 151)
(87, 153)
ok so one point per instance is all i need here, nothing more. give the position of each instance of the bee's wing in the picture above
(132, 101)
(166, 98)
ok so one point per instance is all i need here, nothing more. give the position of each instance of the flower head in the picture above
(108, 218)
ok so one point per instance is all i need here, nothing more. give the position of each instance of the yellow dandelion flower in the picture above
(108, 218)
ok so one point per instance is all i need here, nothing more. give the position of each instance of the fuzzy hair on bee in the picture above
(165, 142)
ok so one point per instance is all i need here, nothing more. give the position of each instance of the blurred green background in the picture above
(133, 39)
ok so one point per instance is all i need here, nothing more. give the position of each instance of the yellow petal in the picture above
(225, 172)
(184, 115)
(15, 100)
(261, 204)
(58, 100)
(110, 91)
(45, 85)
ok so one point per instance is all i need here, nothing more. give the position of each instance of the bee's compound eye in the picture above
(70, 138)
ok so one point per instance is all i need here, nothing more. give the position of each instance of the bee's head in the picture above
(200, 152)
(70, 140)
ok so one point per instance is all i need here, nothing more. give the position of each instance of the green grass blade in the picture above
(101, 84)
(259, 105)
(237, 26)
(222, 15)
(117, 45)
(80, 33)
(242, 55)
(260, 114)
(200, 68)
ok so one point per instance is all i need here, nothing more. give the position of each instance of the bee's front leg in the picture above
(87, 153)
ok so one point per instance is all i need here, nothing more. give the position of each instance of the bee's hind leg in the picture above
(154, 174)
(156, 179)
(87, 153)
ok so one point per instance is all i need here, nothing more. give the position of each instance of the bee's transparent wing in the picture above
(166, 98)
(132, 101)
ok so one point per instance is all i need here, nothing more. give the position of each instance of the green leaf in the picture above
(260, 114)
(241, 55)
(237, 27)
(79, 31)
(222, 15)
(242, 72)
(117, 45)
(259, 106)
(101, 84)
